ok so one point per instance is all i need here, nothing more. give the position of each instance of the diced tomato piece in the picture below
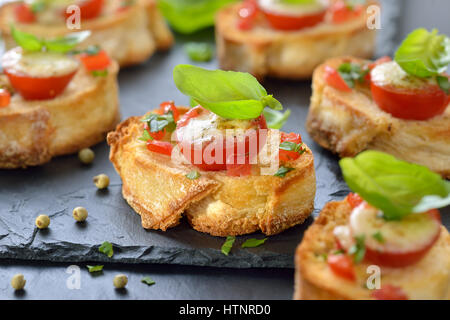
(334, 79)
(192, 113)
(341, 12)
(5, 98)
(342, 266)
(161, 147)
(390, 292)
(89, 9)
(24, 14)
(159, 135)
(99, 61)
(167, 106)
(247, 14)
(354, 199)
(239, 170)
(286, 155)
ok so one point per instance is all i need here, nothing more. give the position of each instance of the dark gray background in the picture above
(59, 186)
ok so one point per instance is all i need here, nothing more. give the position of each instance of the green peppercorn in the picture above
(42, 221)
(18, 281)
(86, 155)
(120, 281)
(101, 181)
(80, 214)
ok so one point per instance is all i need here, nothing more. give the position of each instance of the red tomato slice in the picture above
(167, 106)
(354, 199)
(390, 292)
(286, 155)
(247, 14)
(342, 266)
(199, 154)
(287, 22)
(334, 79)
(5, 98)
(404, 103)
(89, 9)
(239, 170)
(97, 62)
(161, 147)
(24, 14)
(341, 12)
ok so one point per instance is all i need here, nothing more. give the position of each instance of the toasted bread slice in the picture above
(264, 51)
(32, 132)
(350, 122)
(215, 203)
(314, 280)
(129, 37)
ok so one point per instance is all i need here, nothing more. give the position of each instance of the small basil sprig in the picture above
(229, 94)
(424, 54)
(159, 122)
(30, 42)
(396, 187)
(352, 72)
(276, 119)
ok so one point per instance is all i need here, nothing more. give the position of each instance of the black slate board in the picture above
(56, 188)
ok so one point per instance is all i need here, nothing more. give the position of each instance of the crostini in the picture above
(284, 39)
(52, 102)
(400, 106)
(208, 162)
(129, 31)
(384, 242)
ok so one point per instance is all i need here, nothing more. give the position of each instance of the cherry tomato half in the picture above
(287, 22)
(24, 14)
(247, 14)
(334, 79)
(89, 9)
(342, 266)
(341, 12)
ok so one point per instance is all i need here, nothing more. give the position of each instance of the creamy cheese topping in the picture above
(403, 235)
(279, 7)
(391, 74)
(38, 64)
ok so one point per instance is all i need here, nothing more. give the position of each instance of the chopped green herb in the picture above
(282, 171)
(100, 73)
(148, 281)
(145, 136)
(292, 146)
(158, 122)
(252, 243)
(194, 174)
(358, 250)
(352, 72)
(321, 256)
(106, 248)
(199, 51)
(378, 236)
(38, 6)
(95, 268)
(226, 247)
(443, 83)
(339, 251)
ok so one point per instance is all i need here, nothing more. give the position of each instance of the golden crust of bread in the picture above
(264, 51)
(130, 37)
(427, 279)
(350, 122)
(32, 132)
(217, 204)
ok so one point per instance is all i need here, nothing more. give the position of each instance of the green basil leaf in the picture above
(159, 122)
(276, 119)
(396, 187)
(352, 72)
(148, 281)
(194, 174)
(358, 250)
(95, 268)
(252, 243)
(188, 16)
(107, 249)
(282, 171)
(27, 41)
(443, 83)
(145, 136)
(226, 247)
(66, 43)
(424, 54)
(379, 237)
(229, 94)
(199, 51)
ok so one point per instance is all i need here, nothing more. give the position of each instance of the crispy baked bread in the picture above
(350, 122)
(129, 37)
(264, 51)
(427, 279)
(215, 203)
(32, 132)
